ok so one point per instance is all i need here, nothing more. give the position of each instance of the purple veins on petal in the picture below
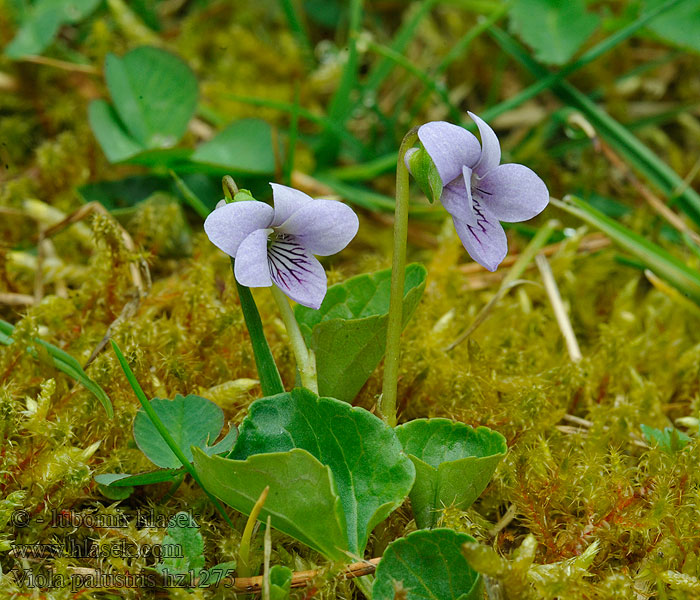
(296, 271)
(485, 241)
(477, 192)
(277, 245)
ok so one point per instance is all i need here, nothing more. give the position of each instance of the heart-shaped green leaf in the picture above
(43, 21)
(369, 474)
(554, 29)
(280, 582)
(454, 464)
(185, 547)
(300, 486)
(678, 25)
(191, 421)
(348, 331)
(427, 565)
(154, 93)
(245, 146)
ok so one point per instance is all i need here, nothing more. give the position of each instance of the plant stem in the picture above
(270, 380)
(306, 362)
(387, 402)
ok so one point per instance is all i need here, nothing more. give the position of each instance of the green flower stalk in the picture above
(387, 402)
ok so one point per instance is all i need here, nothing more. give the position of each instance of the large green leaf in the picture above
(348, 332)
(300, 488)
(371, 472)
(369, 475)
(427, 565)
(114, 140)
(245, 146)
(679, 25)
(43, 22)
(454, 464)
(191, 421)
(554, 28)
(154, 93)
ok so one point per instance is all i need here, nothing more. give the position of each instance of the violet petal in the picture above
(512, 193)
(490, 147)
(486, 241)
(287, 201)
(457, 198)
(230, 224)
(296, 271)
(250, 266)
(323, 227)
(450, 146)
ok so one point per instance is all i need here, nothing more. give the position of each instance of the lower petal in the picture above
(297, 272)
(250, 266)
(485, 241)
(512, 193)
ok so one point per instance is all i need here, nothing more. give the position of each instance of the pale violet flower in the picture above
(477, 191)
(277, 245)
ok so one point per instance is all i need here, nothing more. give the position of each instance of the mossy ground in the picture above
(569, 483)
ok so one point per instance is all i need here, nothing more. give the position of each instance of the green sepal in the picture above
(426, 174)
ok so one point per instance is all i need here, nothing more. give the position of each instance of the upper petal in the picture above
(490, 147)
(287, 201)
(297, 272)
(485, 241)
(323, 227)
(230, 224)
(450, 146)
(250, 267)
(457, 198)
(512, 193)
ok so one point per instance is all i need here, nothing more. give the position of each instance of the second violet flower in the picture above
(477, 191)
(277, 245)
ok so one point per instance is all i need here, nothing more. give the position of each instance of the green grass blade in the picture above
(458, 51)
(292, 139)
(374, 201)
(398, 58)
(296, 26)
(63, 362)
(654, 257)
(636, 153)
(341, 104)
(404, 35)
(364, 171)
(290, 108)
(189, 196)
(546, 82)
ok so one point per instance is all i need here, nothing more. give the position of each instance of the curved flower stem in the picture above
(387, 402)
(306, 362)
